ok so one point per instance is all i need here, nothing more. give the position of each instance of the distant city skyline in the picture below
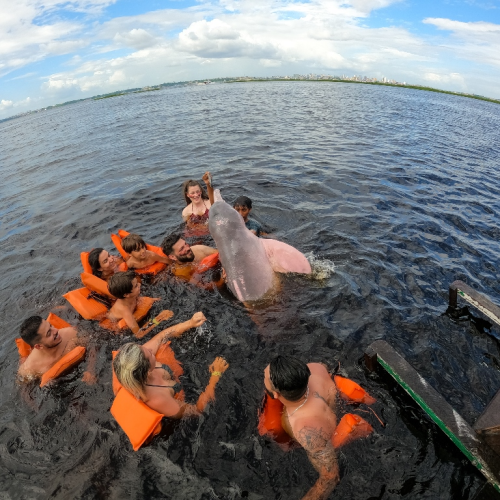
(56, 51)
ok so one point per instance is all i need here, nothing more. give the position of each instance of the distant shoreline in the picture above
(406, 86)
(118, 93)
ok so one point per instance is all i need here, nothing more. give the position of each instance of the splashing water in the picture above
(321, 269)
(203, 333)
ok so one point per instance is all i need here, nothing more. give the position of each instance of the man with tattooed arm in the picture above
(308, 394)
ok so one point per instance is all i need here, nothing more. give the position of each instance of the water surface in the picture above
(396, 187)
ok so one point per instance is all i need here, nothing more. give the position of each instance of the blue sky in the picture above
(53, 51)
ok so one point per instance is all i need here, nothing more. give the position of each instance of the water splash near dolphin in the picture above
(249, 262)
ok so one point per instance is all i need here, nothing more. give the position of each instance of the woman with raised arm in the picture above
(154, 383)
(198, 202)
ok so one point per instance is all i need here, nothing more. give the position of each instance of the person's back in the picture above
(319, 409)
(308, 394)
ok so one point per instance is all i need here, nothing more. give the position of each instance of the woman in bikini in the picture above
(198, 203)
(154, 383)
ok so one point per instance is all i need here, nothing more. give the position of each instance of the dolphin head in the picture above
(242, 254)
(224, 219)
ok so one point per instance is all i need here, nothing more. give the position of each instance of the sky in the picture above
(52, 51)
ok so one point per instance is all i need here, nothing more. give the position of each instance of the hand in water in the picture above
(219, 365)
(207, 178)
(197, 320)
(164, 315)
(89, 378)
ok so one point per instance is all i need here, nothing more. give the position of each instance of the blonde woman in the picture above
(142, 375)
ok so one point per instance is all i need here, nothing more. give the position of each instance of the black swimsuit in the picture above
(177, 387)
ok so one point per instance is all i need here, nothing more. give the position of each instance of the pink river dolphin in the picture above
(250, 262)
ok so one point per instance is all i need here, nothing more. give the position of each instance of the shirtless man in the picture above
(308, 394)
(185, 257)
(49, 345)
(126, 288)
(140, 256)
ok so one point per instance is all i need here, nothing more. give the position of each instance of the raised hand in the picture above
(198, 319)
(219, 365)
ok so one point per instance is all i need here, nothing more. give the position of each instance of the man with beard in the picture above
(185, 258)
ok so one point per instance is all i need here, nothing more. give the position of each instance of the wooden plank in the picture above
(439, 410)
(486, 306)
(490, 418)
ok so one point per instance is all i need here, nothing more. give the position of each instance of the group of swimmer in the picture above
(306, 392)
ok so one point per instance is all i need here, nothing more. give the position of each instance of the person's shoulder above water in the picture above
(254, 226)
(49, 344)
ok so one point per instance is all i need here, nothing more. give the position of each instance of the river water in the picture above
(393, 193)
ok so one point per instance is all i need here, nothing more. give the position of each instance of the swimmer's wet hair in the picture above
(133, 243)
(168, 243)
(29, 330)
(243, 201)
(192, 183)
(94, 261)
(289, 376)
(120, 284)
(131, 368)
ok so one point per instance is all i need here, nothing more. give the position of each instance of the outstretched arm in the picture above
(175, 331)
(321, 453)
(216, 369)
(174, 409)
(89, 375)
(207, 179)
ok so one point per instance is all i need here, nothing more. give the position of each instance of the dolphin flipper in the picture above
(285, 258)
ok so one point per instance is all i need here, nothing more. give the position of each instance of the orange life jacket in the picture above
(349, 428)
(352, 392)
(139, 422)
(84, 257)
(87, 303)
(72, 358)
(87, 268)
(155, 268)
(208, 262)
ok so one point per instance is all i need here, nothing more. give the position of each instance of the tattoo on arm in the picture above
(320, 450)
(317, 395)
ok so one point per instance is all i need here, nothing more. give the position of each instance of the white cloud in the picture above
(31, 30)
(460, 28)
(474, 41)
(4, 104)
(10, 105)
(136, 38)
(256, 33)
(231, 37)
(444, 78)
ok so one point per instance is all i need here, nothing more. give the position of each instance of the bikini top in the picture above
(199, 218)
(177, 387)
